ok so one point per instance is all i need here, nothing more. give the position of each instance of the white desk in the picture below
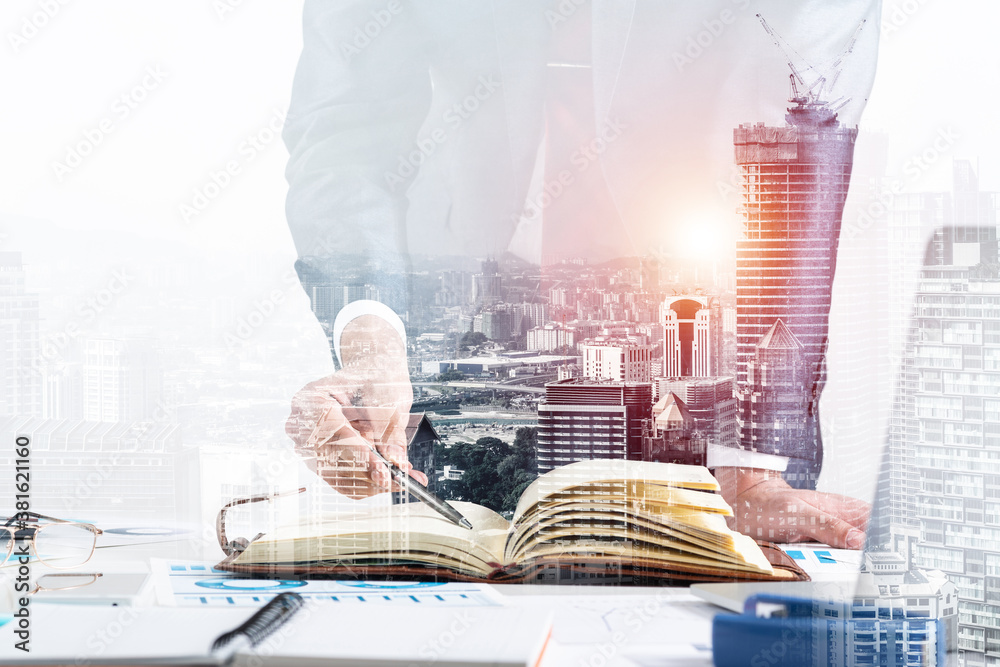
(595, 626)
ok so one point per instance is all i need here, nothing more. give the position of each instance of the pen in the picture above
(422, 494)
(257, 628)
(399, 476)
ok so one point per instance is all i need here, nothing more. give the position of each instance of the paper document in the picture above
(192, 584)
(319, 634)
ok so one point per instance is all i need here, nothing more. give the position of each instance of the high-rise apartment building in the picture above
(122, 380)
(795, 181)
(584, 419)
(62, 391)
(326, 300)
(497, 323)
(487, 286)
(503, 321)
(455, 289)
(692, 337)
(20, 373)
(939, 496)
(949, 457)
(939, 502)
(551, 337)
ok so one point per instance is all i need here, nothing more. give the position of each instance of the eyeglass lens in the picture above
(62, 545)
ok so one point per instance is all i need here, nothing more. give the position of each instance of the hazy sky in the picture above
(224, 71)
(175, 100)
(936, 71)
(222, 77)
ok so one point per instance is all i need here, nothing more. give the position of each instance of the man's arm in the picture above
(767, 508)
(358, 101)
(357, 104)
(374, 374)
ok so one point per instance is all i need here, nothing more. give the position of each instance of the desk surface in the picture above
(592, 625)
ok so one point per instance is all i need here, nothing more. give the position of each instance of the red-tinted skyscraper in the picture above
(692, 336)
(795, 181)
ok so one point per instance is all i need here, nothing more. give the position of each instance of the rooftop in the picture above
(779, 337)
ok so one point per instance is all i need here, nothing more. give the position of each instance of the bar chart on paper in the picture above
(193, 584)
(823, 563)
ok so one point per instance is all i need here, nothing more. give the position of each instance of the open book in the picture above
(627, 521)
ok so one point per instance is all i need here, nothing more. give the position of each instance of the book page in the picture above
(410, 533)
(628, 536)
(704, 531)
(598, 471)
(746, 558)
(629, 511)
(638, 496)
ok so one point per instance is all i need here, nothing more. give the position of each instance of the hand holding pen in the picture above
(353, 461)
(337, 436)
(374, 373)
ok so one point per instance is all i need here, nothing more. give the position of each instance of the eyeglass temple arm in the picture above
(38, 584)
(36, 515)
(220, 520)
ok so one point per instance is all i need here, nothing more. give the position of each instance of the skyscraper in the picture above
(487, 286)
(795, 181)
(692, 337)
(945, 489)
(776, 393)
(20, 376)
(939, 495)
(122, 380)
(672, 435)
(711, 403)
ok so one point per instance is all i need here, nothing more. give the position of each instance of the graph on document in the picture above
(200, 584)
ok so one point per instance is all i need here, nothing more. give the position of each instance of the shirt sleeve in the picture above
(720, 456)
(356, 309)
(360, 95)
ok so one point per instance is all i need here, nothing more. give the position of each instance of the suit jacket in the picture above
(455, 92)
(419, 126)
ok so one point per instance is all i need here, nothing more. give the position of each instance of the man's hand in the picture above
(767, 508)
(374, 375)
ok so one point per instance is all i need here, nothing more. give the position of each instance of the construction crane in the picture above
(810, 95)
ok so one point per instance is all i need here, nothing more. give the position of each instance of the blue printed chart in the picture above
(194, 584)
(822, 563)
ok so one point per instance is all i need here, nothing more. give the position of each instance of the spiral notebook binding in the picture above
(268, 619)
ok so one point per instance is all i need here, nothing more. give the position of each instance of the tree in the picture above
(525, 446)
(481, 462)
(451, 375)
(520, 469)
(985, 271)
(472, 339)
(495, 473)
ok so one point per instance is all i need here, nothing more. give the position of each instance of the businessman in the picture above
(451, 121)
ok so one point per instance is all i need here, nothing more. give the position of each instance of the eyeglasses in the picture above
(240, 544)
(60, 544)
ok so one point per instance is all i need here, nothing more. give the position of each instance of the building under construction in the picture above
(795, 180)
